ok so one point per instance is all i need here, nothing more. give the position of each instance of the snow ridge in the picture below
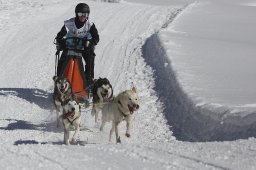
(188, 120)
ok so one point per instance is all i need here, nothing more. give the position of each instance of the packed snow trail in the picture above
(118, 57)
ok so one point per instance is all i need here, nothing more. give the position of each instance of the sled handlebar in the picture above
(72, 52)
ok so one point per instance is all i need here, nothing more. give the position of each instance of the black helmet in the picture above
(82, 7)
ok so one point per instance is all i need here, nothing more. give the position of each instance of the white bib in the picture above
(72, 30)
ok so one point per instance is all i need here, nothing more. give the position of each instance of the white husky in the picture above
(120, 109)
(71, 117)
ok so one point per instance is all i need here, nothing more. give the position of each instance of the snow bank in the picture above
(193, 121)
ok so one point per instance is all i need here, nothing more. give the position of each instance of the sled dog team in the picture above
(113, 109)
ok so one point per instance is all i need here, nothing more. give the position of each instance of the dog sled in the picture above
(73, 68)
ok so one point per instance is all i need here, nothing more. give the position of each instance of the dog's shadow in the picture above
(20, 125)
(28, 142)
(15, 124)
(34, 142)
(37, 96)
(49, 127)
(44, 100)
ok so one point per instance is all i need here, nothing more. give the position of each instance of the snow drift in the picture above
(191, 121)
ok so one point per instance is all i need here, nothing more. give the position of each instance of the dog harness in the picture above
(64, 100)
(70, 114)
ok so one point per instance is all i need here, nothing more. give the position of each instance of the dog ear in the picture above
(66, 102)
(134, 89)
(107, 81)
(55, 78)
(73, 97)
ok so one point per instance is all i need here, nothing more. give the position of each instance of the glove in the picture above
(87, 39)
(58, 47)
(88, 36)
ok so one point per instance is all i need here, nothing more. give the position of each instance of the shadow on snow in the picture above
(34, 142)
(39, 97)
(49, 127)
(45, 101)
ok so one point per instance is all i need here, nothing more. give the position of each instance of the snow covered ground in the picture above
(192, 62)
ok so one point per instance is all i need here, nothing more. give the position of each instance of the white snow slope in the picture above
(130, 53)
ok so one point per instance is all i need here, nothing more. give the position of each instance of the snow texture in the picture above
(191, 61)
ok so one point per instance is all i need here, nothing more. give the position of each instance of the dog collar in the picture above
(122, 112)
(120, 109)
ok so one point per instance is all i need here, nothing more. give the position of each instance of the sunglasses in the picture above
(82, 14)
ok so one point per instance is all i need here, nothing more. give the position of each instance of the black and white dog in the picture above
(71, 118)
(102, 92)
(62, 92)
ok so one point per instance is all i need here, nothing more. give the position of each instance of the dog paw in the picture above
(127, 135)
(67, 142)
(118, 140)
(74, 141)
